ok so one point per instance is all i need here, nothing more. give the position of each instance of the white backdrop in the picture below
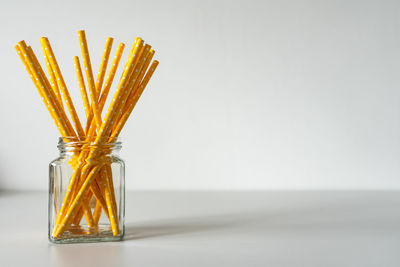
(248, 95)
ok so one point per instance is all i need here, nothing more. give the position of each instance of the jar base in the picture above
(85, 234)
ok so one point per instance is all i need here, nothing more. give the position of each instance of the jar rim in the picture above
(74, 142)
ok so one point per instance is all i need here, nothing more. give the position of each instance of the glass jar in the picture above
(86, 192)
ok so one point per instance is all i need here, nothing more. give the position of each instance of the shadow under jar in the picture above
(86, 191)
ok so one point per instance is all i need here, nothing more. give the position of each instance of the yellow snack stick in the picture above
(110, 205)
(143, 70)
(44, 85)
(146, 51)
(110, 197)
(135, 76)
(119, 100)
(101, 186)
(107, 85)
(78, 217)
(132, 52)
(89, 77)
(98, 208)
(97, 213)
(100, 78)
(47, 104)
(48, 51)
(53, 82)
(136, 84)
(82, 86)
(108, 175)
(67, 198)
(139, 57)
(49, 91)
(103, 65)
(106, 190)
(87, 212)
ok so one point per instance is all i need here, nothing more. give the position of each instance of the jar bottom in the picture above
(86, 234)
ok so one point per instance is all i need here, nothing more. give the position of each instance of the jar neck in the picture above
(72, 146)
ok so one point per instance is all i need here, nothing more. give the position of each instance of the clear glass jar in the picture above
(86, 192)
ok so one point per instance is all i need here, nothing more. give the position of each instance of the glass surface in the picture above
(86, 192)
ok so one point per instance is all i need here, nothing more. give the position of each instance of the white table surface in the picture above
(218, 229)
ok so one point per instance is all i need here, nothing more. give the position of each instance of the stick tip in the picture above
(22, 43)
(44, 40)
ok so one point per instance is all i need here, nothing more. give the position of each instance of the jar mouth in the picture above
(71, 143)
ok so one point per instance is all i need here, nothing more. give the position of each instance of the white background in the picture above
(248, 94)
